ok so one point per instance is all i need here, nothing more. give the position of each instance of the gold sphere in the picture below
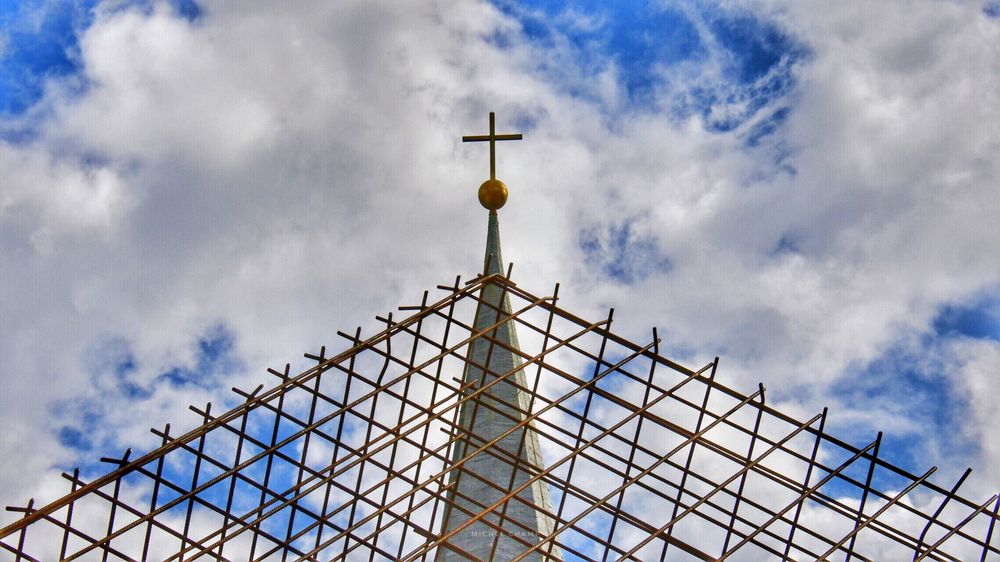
(492, 194)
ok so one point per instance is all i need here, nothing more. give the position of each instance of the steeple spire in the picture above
(493, 261)
(522, 521)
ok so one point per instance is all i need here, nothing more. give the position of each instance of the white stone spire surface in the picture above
(524, 518)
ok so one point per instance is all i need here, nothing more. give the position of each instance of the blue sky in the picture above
(194, 194)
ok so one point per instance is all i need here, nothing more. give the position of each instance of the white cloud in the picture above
(291, 171)
(976, 368)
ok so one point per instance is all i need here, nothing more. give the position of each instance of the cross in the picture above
(492, 137)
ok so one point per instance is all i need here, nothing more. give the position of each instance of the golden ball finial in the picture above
(493, 194)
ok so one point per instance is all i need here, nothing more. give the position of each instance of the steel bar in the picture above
(937, 512)
(989, 533)
(690, 456)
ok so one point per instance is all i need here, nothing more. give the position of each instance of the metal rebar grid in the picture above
(357, 458)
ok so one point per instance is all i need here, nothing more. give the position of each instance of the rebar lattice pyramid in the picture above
(355, 458)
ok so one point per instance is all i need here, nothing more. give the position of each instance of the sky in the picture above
(192, 191)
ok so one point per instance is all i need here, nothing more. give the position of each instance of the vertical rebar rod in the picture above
(805, 484)
(690, 455)
(194, 477)
(69, 517)
(743, 479)
(864, 497)
(937, 512)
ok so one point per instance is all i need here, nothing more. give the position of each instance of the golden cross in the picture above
(492, 137)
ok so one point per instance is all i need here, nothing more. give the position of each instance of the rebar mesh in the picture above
(644, 459)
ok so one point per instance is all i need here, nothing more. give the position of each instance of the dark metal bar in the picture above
(690, 455)
(114, 501)
(525, 434)
(20, 555)
(499, 320)
(989, 533)
(24, 530)
(743, 478)
(937, 512)
(368, 431)
(267, 465)
(402, 408)
(305, 448)
(630, 462)
(406, 390)
(154, 496)
(194, 477)
(241, 436)
(586, 412)
(805, 483)
(340, 431)
(437, 376)
(69, 518)
(864, 497)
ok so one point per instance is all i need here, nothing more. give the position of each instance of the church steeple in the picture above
(494, 361)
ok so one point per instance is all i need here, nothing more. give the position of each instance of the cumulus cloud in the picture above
(287, 171)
